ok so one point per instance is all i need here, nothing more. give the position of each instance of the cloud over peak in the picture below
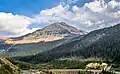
(93, 15)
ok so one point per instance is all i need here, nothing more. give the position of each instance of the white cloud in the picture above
(15, 24)
(54, 11)
(93, 15)
(67, 2)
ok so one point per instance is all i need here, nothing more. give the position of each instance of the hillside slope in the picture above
(103, 43)
(6, 67)
(39, 41)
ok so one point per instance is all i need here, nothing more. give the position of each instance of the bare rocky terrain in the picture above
(55, 31)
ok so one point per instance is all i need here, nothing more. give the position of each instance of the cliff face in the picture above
(6, 67)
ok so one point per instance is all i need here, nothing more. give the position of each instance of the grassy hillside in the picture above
(6, 67)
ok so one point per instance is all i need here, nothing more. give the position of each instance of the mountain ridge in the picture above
(41, 40)
(102, 43)
(52, 32)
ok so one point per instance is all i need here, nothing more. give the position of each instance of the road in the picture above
(62, 70)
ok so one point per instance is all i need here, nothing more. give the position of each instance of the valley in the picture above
(59, 36)
(95, 44)
(69, 54)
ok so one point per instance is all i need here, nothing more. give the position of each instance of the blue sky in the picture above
(26, 7)
(19, 17)
(30, 7)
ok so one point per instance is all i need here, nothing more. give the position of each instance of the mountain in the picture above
(6, 67)
(39, 41)
(102, 43)
(55, 31)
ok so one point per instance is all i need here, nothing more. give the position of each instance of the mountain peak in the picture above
(52, 32)
(62, 26)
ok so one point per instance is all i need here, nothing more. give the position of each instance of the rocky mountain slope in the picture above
(39, 41)
(103, 43)
(55, 31)
(6, 67)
